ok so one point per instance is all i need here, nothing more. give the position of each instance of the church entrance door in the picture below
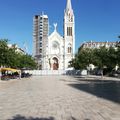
(55, 64)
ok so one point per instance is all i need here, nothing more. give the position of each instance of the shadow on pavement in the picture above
(19, 117)
(106, 89)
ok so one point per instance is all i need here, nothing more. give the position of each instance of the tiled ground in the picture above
(54, 98)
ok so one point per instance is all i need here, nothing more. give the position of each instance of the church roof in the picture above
(55, 33)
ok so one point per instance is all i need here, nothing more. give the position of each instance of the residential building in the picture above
(93, 44)
(17, 49)
(40, 39)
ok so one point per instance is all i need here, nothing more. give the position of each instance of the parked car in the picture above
(115, 73)
(23, 74)
(96, 71)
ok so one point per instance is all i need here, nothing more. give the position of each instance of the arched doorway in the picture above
(55, 63)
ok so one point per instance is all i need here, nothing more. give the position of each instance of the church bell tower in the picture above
(69, 34)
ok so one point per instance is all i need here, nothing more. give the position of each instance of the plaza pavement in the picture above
(54, 98)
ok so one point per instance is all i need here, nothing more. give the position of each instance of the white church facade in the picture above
(53, 52)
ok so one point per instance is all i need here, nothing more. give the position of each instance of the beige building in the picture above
(93, 44)
(18, 49)
(40, 39)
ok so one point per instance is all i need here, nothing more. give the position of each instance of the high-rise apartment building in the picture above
(40, 39)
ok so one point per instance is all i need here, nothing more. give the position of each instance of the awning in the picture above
(9, 69)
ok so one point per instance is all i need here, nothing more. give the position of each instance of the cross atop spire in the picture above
(68, 6)
(55, 26)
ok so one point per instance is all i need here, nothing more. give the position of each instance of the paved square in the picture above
(54, 98)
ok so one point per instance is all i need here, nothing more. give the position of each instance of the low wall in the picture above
(45, 72)
(56, 72)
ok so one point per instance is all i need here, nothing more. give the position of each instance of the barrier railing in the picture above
(56, 72)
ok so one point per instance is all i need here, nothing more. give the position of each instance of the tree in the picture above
(3, 52)
(100, 57)
(27, 62)
(118, 55)
(9, 57)
(111, 58)
(83, 58)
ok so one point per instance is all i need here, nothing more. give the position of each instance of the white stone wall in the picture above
(55, 52)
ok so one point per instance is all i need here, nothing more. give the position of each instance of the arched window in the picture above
(69, 31)
(71, 19)
(69, 50)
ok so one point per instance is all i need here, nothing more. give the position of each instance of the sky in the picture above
(96, 20)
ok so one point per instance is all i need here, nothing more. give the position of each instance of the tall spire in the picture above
(69, 6)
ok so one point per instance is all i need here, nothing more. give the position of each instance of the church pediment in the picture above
(55, 35)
